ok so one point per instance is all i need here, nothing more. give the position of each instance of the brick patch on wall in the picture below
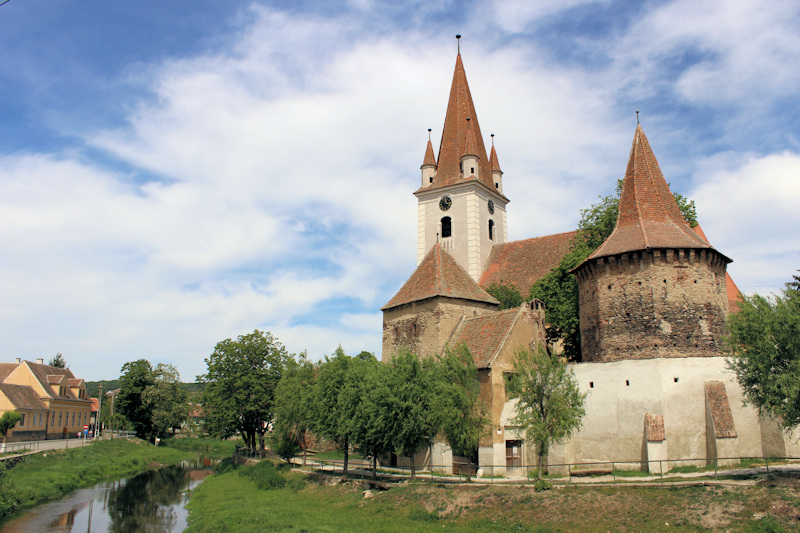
(720, 408)
(654, 428)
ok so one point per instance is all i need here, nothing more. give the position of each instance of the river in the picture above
(152, 501)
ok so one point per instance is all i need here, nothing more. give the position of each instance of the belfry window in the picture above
(447, 227)
(491, 230)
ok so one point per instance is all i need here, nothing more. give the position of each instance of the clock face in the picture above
(491, 206)
(445, 203)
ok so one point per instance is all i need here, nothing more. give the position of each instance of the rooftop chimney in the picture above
(40, 361)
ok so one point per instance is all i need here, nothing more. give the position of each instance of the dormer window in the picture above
(431, 179)
(472, 170)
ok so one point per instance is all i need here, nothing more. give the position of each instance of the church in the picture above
(653, 300)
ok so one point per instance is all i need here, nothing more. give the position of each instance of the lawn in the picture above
(230, 502)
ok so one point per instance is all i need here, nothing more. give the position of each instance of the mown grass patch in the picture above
(230, 502)
(53, 473)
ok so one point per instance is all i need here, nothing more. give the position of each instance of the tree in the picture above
(365, 395)
(764, 341)
(7, 421)
(507, 294)
(328, 410)
(291, 420)
(412, 421)
(464, 417)
(240, 386)
(58, 361)
(166, 400)
(549, 403)
(136, 377)
(558, 289)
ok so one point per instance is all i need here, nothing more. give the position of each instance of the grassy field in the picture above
(53, 473)
(232, 502)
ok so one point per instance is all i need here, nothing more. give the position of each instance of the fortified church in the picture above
(653, 303)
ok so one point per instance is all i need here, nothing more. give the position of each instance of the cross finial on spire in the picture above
(492, 135)
(458, 40)
(429, 134)
(637, 117)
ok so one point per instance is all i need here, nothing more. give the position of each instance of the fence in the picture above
(666, 470)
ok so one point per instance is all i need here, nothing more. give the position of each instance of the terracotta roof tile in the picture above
(454, 135)
(484, 334)
(95, 404)
(22, 396)
(6, 369)
(523, 263)
(429, 157)
(439, 275)
(494, 162)
(649, 217)
(734, 294)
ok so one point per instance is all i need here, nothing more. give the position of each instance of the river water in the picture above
(152, 502)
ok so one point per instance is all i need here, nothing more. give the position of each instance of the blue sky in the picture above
(176, 173)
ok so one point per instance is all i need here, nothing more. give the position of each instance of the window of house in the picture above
(73, 419)
(22, 420)
(59, 417)
(447, 227)
(53, 422)
(491, 230)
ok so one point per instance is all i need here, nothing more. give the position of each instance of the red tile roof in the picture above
(439, 275)
(484, 335)
(95, 404)
(734, 295)
(649, 216)
(523, 263)
(429, 158)
(6, 369)
(494, 162)
(22, 396)
(454, 136)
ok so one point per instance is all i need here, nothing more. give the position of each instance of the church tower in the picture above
(460, 202)
(654, 288)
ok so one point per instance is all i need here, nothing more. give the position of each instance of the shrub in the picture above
(541, 485)
(226, 465)
(264, 475)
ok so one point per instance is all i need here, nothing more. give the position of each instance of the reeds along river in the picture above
(152, 501)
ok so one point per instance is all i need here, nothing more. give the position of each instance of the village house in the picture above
(62, 409)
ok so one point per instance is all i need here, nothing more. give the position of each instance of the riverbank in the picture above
(230, 502)
(51, 474)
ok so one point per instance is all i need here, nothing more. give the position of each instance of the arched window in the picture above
(447, 227)
(491, 230)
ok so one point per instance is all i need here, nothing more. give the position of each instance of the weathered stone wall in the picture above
(653, 303)
(424, 327)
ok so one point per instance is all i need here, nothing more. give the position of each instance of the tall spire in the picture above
(493, 161)
(649, 216)
(454, 134)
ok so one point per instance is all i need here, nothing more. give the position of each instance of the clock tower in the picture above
(461, 203)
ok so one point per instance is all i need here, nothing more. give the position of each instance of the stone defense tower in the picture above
(460, 202)
(654, 288)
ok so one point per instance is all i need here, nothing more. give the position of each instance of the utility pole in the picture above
(99, 411)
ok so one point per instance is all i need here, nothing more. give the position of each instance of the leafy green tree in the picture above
(58, 361)
(413, 422)
(549, 403)
(291, 419)
(366, 393)
(240, 386)
(7, 421)
(327, 408)
(166, 400)
(464, 417)
(559, 290)
(764, 341)
(507, 294)
(136, 377)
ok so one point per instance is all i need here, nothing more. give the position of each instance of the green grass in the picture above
(231, 502)
(206, 447)
(53, 473)
(631, 473)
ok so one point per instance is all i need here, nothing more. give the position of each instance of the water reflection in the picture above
(150, 502)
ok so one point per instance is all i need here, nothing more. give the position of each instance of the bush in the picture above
(264, 475)
(541, 485)
(226, 465)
